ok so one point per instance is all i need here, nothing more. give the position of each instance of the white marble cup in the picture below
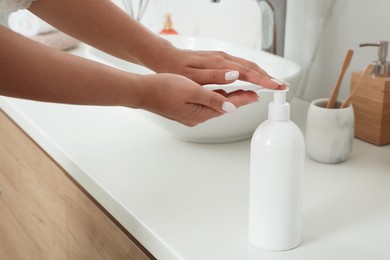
(329, 132)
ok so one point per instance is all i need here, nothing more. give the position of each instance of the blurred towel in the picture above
(57, 40)
(27, 24)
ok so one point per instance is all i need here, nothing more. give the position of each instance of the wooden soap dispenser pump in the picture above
(371, 102)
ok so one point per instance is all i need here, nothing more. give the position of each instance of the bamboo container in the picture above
(371, 105)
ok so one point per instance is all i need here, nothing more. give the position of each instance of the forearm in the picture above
(33, 71)
(102, 24)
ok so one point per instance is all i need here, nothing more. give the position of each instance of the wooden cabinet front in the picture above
(44, 214)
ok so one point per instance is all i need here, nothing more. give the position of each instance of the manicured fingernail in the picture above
(228, 107)
(281, 82)
(232, 75)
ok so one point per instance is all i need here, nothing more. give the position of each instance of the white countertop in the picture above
(190, 201)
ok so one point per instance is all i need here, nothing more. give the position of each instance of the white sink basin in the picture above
(230, 127)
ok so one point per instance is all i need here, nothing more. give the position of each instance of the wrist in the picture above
(134, 93)
(158, 54)
(144, 85)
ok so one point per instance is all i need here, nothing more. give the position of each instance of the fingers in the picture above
(252, 76)
(247, 63)
(208, 107)
(251, 72)
(215, 101)
(215, 106)
(214, 76)
(221, 92)
(240, 97)
(226, 76)
(215, 68)
(223, 102)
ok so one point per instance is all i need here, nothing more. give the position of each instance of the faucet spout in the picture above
(268, 36)
(279, 24)
(273, 16)
(136, 10)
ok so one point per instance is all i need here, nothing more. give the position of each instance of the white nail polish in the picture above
(228, 107)
(281, 82)
(232, 75)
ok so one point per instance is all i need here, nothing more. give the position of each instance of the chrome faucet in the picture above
(273, 16)
(130, 8)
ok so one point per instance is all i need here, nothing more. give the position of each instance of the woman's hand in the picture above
(180, 99)
(214, 67)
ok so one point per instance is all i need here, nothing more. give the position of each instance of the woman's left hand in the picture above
(215, 67)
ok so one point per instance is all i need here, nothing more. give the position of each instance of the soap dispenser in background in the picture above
(276, 168)
(168, 26)
(371, 102)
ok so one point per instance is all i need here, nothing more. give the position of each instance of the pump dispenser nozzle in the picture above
(279, 98)
(381, 66)
(279, 109)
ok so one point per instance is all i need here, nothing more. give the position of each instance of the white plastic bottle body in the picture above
(275, 202)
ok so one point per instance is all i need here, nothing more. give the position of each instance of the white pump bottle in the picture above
(276, 165)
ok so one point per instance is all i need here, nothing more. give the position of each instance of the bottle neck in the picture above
(279, 112)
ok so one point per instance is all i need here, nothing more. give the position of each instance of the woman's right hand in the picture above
(180, 99)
